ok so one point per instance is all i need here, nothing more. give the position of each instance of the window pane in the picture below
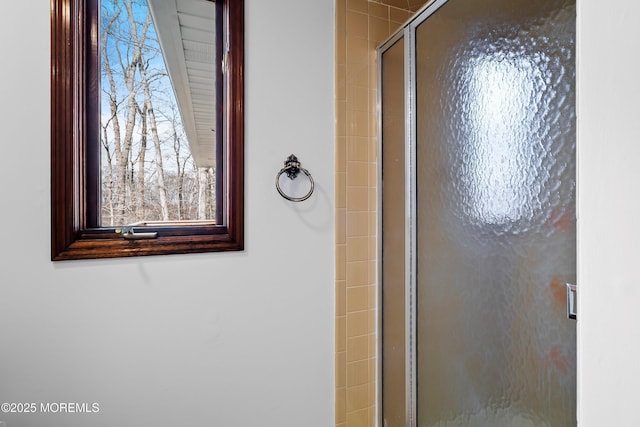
(158, 111)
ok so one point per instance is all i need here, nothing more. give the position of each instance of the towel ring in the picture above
(292, 168)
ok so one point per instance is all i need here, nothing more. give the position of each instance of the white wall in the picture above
(239, 339)
(608, 206)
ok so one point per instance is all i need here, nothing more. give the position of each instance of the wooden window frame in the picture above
(75, 146)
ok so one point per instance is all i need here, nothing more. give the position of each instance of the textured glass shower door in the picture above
(491, 200)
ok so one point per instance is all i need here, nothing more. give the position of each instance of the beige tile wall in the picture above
(361, 25)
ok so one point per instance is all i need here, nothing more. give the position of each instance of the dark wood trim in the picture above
(90, 175)
(64, 201)
(235, 117)
(74, 129)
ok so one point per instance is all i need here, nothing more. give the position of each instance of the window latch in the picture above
(129, 233)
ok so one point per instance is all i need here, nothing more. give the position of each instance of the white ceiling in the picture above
(186, 32)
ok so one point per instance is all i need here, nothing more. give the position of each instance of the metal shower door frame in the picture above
(406, 31)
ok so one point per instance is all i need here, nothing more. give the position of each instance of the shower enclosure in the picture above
(477, 224)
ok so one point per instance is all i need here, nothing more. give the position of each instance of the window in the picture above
(80, 228)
